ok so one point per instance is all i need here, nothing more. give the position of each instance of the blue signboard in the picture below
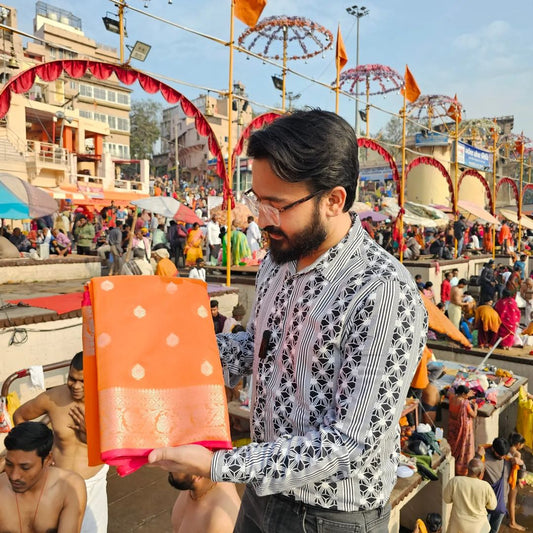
(472, 157)
(431, 138)
(375, 174)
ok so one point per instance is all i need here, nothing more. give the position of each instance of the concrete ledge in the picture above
(52, 269)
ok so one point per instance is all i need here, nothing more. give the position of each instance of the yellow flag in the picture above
(341, 56)
(249, 11)
(410, 90)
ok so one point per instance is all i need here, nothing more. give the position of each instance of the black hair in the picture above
(313, 146)
(506, 293)
(29, 437)
(433, 522)
(461, 389)
(516, 438)
(428, 284)
(214, 303)
(462, 281)
(500, 446)
(77, 361)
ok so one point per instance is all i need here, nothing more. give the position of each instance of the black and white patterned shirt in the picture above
(346, 334)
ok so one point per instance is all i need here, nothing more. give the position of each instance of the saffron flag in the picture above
(341, 56)
(519, 146)
(410, 89)
(249, 11)
(454, 111)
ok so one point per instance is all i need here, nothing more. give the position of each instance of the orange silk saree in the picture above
(151, 368)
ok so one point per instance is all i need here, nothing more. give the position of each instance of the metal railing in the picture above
(26, 372)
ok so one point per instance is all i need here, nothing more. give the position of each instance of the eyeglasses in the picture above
(271, 215)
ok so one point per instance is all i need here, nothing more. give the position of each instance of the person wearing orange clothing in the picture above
(487, 321)
(504, 237)
(165, 267)
(487, 239)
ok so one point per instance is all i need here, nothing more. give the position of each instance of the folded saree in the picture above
(152, 370)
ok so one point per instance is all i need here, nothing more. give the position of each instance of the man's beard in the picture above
(299, 245)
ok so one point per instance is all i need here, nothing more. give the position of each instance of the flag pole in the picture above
(402, 176)
(456, 171)
(521, 182)
(494, 162)
(229, 169)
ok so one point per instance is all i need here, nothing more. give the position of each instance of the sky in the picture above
(481, 50)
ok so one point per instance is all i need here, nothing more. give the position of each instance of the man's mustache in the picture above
(273, 230)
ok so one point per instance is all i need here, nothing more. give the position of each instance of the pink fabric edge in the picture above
(128, 460)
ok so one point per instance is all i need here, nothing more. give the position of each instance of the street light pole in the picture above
(358, 12)
(176, 148)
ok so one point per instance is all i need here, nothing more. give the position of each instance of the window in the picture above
(86, 114)
(100, 93)
(73, 85)
(111, 96)
(112, 121)
(123, 124)
(86, 90)
(123, 98)
(101, 117)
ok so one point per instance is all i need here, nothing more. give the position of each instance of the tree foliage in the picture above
(144, 127)
(391, 134)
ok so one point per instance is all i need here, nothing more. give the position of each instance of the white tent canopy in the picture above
(512, 216)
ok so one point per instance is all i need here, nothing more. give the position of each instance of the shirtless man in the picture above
(65, 407)
(36, 497)
(206, 507)
(455, 307)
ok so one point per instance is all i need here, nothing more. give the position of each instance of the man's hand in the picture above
(189, 459)
(77, 413)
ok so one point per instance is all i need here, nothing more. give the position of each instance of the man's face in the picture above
(24, 469)
(302, 229)
(83, 221)
(75, 384)
(214, 311)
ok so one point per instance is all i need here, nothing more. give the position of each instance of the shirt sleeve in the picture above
(236, 354)
(380, 344)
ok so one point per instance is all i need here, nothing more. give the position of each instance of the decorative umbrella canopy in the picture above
(159, 205)
(375, 79)
(20, 200)
(239, 215)
(304, 37)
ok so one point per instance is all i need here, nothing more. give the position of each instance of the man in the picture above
(165, 267)
(446, 289)
(34, 496)
(487, 282)
(65, 406)
(487, 321)
(497, 471)
(437, 247)
(159, 236)
(419, 283)
(455, 307)
(218, 319)
(20, 240)
(521, 263)
(412, 247)
(204, 506)
(253, 235)
(114, 247)
(459, 228)
(213, 239)
(333, 340)
(471, 497)
(84, 235)
(198, 271)
(138, 265)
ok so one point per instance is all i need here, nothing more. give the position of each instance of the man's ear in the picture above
(48, 460)
(335, 201)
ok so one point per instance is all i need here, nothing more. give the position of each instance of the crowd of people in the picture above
(333, 341)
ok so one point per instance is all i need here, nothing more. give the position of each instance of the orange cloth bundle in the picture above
(151, 368)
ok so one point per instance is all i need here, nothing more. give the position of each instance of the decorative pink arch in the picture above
(425, 160)
(514, 189)
(257, 123)
(527, 187)
(75, 68)
(363, 142)
(476, 174)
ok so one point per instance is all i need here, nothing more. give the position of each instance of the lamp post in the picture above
(358, 12)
